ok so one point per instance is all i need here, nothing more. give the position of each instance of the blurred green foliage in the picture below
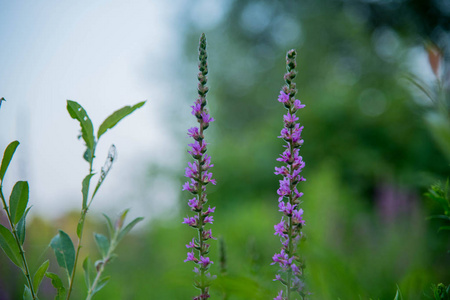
(369, 157)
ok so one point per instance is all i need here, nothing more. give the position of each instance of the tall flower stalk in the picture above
(289, 229)
(199, 176)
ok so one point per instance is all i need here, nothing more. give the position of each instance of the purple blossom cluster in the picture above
(199, 176)
(291, 224)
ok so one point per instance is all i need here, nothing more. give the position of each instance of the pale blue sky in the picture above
(103, 54)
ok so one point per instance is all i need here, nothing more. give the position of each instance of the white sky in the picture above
(104, 55)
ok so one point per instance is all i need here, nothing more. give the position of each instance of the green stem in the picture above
(26, 270)
(106, 259)
(81, 221)
(200, 218)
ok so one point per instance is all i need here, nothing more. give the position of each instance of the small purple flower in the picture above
(209, 210)
(192, 221)
(290, 119)
(286, 208)
(197, 149)
(207, 118)
(208, 235)
(191, 244)
(284, 189)
(283, 97)
(209, 219)
(280, 296)
(197, 109)
(280, 229)
(194, 133)
(195, 204)
(205, 262)
(191, 257)
(298, 104)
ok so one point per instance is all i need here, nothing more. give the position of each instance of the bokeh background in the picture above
(369, 153)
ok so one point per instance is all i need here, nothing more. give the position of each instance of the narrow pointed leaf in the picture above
(102, 243)
(116, 117)
(9, 246)
(77, 112)
(128, 228)
(21, 226)
(80, 227)
(58, 285)
(7, 156)
(39, 275)
(88, 272)
(101, 283)
(110, 226)
(121, 219)
(85, 189)
(27, 293)
(64, 251)
(398, 295)
(18, 201)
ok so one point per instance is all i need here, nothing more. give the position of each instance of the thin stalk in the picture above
(25, 270)
(77, 253)
(200, 216)
(102, 267)
(290, 245)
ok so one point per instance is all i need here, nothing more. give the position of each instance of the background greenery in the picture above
(369, 157)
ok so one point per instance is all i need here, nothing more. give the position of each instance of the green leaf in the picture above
(128, 228)
(58, 285)
(18, 201)
(101, 283)
(110, 226)
(88, 155)
(88, 272)
(7, 156)
(398, 295)
(27, 293)
(77, 112)
(85, 189)
(102, 243)
(64, 251)
(116, 117)
(80, 227)
(21, 226)
(9, 246)
(39, 275)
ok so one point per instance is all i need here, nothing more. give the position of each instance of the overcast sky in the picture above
(104, 55)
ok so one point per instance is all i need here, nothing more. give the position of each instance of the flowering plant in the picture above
(289, 229)
(199, 176)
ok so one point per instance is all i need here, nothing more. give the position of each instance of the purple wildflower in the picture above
(190, 257)
(289, 229)
(199, 176)
(280, 296)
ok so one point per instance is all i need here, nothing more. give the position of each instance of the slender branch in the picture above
(102, 267)
(81, 222)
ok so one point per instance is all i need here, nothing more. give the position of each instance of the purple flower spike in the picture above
(289, 229)
(199, 176)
